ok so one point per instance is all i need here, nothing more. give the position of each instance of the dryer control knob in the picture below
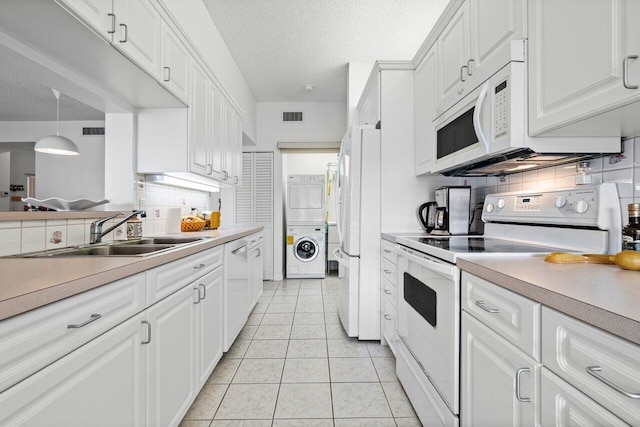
(490, 207)
(560, 201)
(582, 207)
(501, 203)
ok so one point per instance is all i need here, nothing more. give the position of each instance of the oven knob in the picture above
(582, 206)
(490, 207)
(560, 201)
(501, 203)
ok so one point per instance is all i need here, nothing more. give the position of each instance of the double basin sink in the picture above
(143, 247)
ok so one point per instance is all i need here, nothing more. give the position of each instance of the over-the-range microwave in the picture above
(486, 132)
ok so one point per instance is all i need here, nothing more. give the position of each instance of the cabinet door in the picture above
(562, 405)
(389, 315)
(425, 105)
(175, 64)
(230, 144)
(216, 130)
(101, 382)
(576, 70)
(138, 33)
(453, 54)
(199, 143)
(209, 324)
(95, 13)
(493, 24)
(370, 105)
(498, 382)
(170, 358)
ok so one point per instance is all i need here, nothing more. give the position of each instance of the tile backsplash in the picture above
(38, 235)
(623, 169)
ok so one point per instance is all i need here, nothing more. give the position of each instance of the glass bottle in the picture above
(583, 173)
(631, 231)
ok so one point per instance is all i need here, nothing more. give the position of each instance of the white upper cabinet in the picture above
(176, 62)
(425, 106)
(199, 117)
(475, 44)
(96, 13)
(585, 67)
(138, 33)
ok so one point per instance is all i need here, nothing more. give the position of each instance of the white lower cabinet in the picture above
(170, 357)
(563, 405)
(101, 383)
(499, 382)
(209, 324)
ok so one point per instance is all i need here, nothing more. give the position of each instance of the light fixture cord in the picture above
(57, 116)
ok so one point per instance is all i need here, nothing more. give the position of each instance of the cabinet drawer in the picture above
(389, 290)
(389, 315)
(514, 317)
(389, 251)
(165, 280)
(601, 365)
(33, 340)
(389, 271)
(563, 405)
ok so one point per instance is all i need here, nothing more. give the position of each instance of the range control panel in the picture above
(577, 205)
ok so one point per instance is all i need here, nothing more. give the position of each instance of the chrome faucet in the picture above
(96, 232)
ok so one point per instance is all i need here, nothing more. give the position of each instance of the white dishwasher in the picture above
(237, 289)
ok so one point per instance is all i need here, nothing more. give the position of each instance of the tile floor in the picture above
(293, 365)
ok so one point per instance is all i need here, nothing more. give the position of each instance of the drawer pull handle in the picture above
(625, 72)
(113, 23)
(518, 373)
(387, 251)
(593, 371)
(93, 318)
(148, 332)
(126, 33)
(387, 271)
(386, 316)
(199, 299)
(204, 291)
(199, 266)
(488, 310)
(388, 292)
(167, 74)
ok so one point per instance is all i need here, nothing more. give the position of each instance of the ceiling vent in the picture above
(93, 131)
(292, 117)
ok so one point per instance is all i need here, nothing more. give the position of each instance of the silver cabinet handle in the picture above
(387, 251)
(236, 180)
(148, 332)
(469, 62)
(236, 251)
(461, 73)
(198, 291)
(126, 33)
(93, 318)
(518, 373)
(625, 72)
(593, 371)
(167, 74)
(199, 266)
(209, 169)
(387, 317)
(258, 252)
(113, 23)
(204, 291)
(388, 292)
(226, 176)
(387, 271)
(488, 310)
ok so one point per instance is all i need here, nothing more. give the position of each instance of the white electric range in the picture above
(578, 219)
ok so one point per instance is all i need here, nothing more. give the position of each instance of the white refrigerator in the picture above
(358, 221)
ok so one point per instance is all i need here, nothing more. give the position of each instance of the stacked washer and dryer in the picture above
(305, 210)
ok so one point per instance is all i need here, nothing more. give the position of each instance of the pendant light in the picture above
(56, 144)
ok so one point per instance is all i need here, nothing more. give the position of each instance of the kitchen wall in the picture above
(623, 169)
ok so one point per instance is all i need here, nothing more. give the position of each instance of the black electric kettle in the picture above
(427, 215)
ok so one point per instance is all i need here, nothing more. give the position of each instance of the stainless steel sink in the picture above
(164, 240)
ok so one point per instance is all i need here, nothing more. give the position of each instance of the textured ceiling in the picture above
(23, 99)
(283, 45)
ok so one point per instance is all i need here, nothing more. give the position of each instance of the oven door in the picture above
(429, 319)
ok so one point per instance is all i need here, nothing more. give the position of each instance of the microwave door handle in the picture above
(477, 116)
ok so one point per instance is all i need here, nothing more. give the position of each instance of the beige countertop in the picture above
(28, 283)
(604, 296)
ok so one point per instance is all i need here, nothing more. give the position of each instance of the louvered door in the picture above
(254, 201)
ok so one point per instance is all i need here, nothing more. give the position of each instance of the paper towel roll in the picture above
(173, 220)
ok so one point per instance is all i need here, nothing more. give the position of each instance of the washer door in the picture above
(306, 249)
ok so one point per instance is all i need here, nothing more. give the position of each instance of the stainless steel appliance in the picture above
(452, 213)
(427, 215)
(486, 131)
(581, 219)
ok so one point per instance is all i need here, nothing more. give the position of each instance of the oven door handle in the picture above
(446, 270)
